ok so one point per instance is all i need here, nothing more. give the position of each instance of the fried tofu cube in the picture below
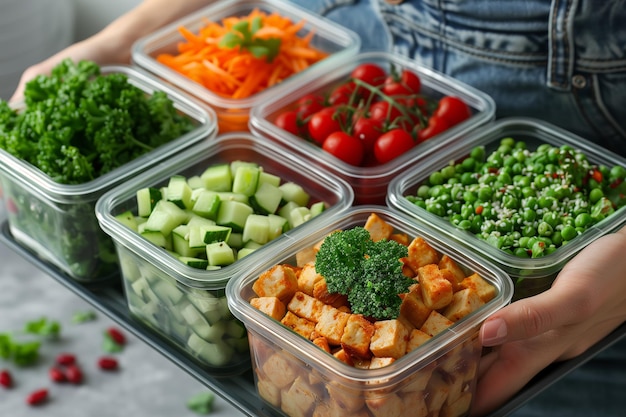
(279, 281)
(331, 324)
(436, 290)
(437, 393)
(299, 325)
(305, 306)
(268, 391)
(463, 303)
(413, 307)
(307, 278)
(390, 405)
(321, 342)
(306, 256)
(377, 362)
(416, 403)
(271, 306)
(279, 370)
(458, 408)
(389, 339)
(436, 323)
(357, 335)
(416, 339)
(483, 288)
(299, 399)
(449, 264)
(344, 399)
(420, 253)
(419, 380)
(320, 291)
(401, 238)
(344, 357)
(378, 228)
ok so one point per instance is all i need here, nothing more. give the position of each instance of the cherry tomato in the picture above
(404, 84)
(288, 121)
(411, 80)
(394, 88)
(341, 94)
(367, 130)
(345, 147)
(370, 73)
(435, 126)
(384, 112)
(323, 123)
(453, 110)
(392, 144)
(309, 104)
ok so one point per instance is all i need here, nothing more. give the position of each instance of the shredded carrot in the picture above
(235, 72)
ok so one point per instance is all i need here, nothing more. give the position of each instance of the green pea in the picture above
(436, 178)
(485, 193)
(529, 231)
(436, 209)
(523, 242)
(544, 229)
(595, 195)
(557, 238)
(529, 215)
(568, 233)
(478, 153)
(456, 219)
(541, 181)
(467, 210)
(468, 164)
(437, 190)
(504, 226)
(551, 218)
(508, 141)
(617, 172)
(423, 191)
(465, 224)
(538, 249)
(420, 203)
(510, 201)
(468, 178)
(521, 253)
(547, 202)
(582, 220)
(448, 172)
(469, 196)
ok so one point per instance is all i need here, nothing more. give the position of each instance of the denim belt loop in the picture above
(561, 48)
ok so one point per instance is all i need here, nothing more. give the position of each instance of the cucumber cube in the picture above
(294, 192)
(128, 219)
(179, 192)
(217, 177)
(256, 229)
(298, 216)
(195, 226)
(246, 179)
(220, 254)
(215, 233)
(165, 217)
(206, 204)
(267, 178)
(146, 200)
(266, 199)
(317, 208)
(277, 226)
(233, 214)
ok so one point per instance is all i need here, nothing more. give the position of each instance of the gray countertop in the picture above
(147, 384)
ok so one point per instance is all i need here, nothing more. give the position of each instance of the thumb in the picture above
(526, 318)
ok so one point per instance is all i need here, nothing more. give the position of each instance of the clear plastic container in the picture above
(233, 114)
(160, 288)
(57, 222)
(296, 377)
(530, 275)
(370, 182)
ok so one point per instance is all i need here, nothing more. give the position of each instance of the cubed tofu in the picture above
(299, 399)
(458, 408)
(378, 228)
(413, 307)
(420, 253)
(377, 362)
(401, 238)
(279, 281)
(416, 339)
(306, 256)
(463, 303)
(418, 381)
(389, 339)
(280, 370)
(437, 393)
(390, 405)
(320, 291)
(331, 324)
(357, 335)
(299, 325)
(305, 306)
(436, 323)
(307, 278)
(483, 288)
(344, 399)
(436, 290)
(321, 342)
(344, 357)
(268, 391)
(272, 306)
(416, 403)
(449, 264)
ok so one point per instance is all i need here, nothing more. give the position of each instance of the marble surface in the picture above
(147, 383)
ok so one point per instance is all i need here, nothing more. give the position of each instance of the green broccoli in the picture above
(369, 273)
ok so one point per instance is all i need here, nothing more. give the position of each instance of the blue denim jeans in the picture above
(562, 61)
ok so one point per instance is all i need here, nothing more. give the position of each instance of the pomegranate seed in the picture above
(66, 359)
(56, 374)
(74, 374)
(6, 380)
(117, 336)
(107, 363)
(37, 397)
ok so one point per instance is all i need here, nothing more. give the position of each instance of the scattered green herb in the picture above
(43, 327)
(201, 403)
(21, 353)
(83, 317)
(242, 36)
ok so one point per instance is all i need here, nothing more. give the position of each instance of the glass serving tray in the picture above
(239, 390)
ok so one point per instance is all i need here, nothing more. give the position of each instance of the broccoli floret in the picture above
(369, 273)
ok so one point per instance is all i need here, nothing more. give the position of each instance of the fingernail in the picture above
(493, 332)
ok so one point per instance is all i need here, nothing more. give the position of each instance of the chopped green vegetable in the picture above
(201, 403)
(21, 353)
(242, 36)
(368, 272)
(83, 317)
(109, 345)
(43, 327)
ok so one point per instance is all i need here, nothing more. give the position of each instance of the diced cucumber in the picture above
(215, 354)
(129, 268)
(233, 214)
(266, 199)
(230, 196)
(217, 177)
(267, 178)
(158, 238)
(236, 164)
(235, 240)
(146, 200)
(207, 204)
(317, 208)
(215, 233)
(194, 262)
(256, 229)
(195, 228)
(195, 182)
(179, 191)
(246, 179)
(243, 252)
(128, 219)
(294, 192)
(167, 292)
(285, 210)
(220, 254)
(299, 215)
(277, 226)
(241, 345)
(235, 329)
(180, 243)
(209, 306)
(165, 217)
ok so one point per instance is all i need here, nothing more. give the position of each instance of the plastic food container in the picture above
(57, 222)
(530, 275)
(185, 305)
(370, 182)
(295, 377)
(340, 43)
